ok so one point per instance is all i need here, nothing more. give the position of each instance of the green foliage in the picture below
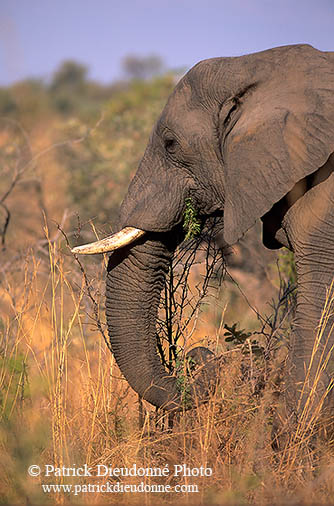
(241, 338)
(71, 93)
(15, 386)
(287, 266)
(234, 335)
(70, 75)
(182, 381)
(7, 102)
(22, 441)
(32, 103)
(191, 224)
(284, 308)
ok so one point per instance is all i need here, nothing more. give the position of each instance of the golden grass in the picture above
(64, 403)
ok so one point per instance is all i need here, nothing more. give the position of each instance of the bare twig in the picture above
(89, 292)
(5, 226)
(22, 166)
(181, 302)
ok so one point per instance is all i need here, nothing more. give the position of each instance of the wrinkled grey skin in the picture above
(246, 138)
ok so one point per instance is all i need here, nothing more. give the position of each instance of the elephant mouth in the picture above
(129, 235)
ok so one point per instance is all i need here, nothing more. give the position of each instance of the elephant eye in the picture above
(171, 145)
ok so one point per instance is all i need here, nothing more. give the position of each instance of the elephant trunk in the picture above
(135, 279)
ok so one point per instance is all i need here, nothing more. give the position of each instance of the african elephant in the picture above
(245, 138)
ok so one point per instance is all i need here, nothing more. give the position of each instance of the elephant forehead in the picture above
(185, 118)
(184, 98)
(180, 97)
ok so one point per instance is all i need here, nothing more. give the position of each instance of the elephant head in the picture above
(236, 136)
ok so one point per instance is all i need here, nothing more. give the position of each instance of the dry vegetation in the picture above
(63, 401)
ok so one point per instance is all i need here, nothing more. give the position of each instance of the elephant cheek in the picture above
(157, 206)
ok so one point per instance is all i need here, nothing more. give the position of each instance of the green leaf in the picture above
(191, 224)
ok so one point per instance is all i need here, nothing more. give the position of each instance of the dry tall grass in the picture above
(64, 403)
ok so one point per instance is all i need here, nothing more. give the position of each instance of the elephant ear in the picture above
(283, 130)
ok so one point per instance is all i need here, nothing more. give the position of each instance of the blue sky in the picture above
(37, 35)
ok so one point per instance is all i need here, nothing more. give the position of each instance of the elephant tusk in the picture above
(122, 238)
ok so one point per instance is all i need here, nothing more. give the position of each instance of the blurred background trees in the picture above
(84, 138)
(147, 67)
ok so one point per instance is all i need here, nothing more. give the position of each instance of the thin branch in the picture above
(5, 226)
(89, 292)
